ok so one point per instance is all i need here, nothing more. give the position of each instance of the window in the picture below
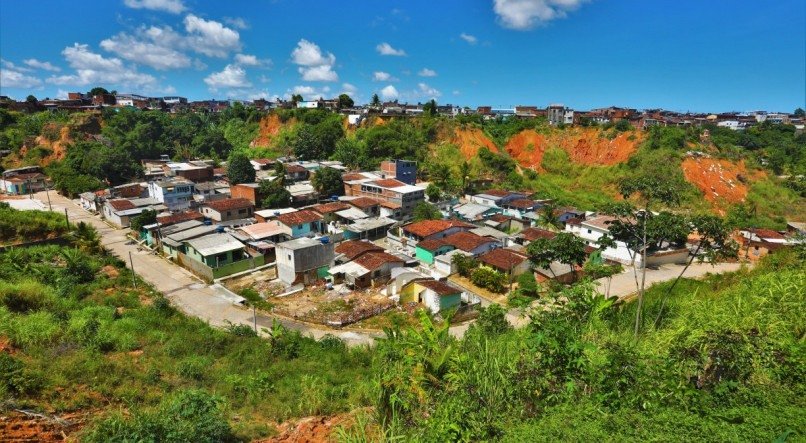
(589, 231)
(289, 257)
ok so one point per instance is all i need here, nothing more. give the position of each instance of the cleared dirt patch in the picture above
(587, 146)
(721, 181)
(270, 127)
(470, 140)
(20, 427)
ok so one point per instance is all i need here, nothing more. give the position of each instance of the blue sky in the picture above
(714, 55)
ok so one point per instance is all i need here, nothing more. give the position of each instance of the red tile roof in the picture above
(294, 169)
(532, 234)
(375, 259)
(352, 176)
(766, 233)
(388, 183)
(503, 259)
(364, 202)
(496, 192)
(439, 287)
(431, 244)
(430, 227)
(390, 205)
(219, 171)
(500, 218)
(353, 248)
(229, 204)
(121, 205)
(263, 161)
(298, 217)
(466, 241)
(173, 219)
(327, 208)
(523, 203)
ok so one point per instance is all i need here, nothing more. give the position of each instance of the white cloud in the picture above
(36, 64)
(210, 37)
(233, 76)
(526, 14)
(92, 68)
(428, 91)
(250, 60)
(469, 38)
(456, 92)
(308, 92)
(315, 65)
(9, 65)
(61, 94)
(152, 47)
(349, 89)
(425, 72)
(236, 22)
(380, 76)
(387, 49)
(264, 79)
(389, 93)
(322, 73)
(172, 6)
(16, 79)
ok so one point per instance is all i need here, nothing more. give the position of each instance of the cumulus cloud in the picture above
(233, 76)
(151, 47)
(236, 22)
(469, 38)
(250, 60)
(36, 64)
(210, 37)
(308, 92)
(456, 92)
(389, 93)
(349, 89)
(10, 65)
(428, 91)
(526, 14)
(380, 76)
(95, 69)
(425, 72)
(172, 6)
(10, 78)
(315, 64)
(387, 49)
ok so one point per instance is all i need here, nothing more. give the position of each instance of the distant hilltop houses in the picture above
(556, 114)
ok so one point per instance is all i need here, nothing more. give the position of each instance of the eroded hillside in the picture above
(584, 146)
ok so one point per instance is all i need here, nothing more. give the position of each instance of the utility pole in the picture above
(131, 263)
(67, 219)
(47, 192)
(254, 314)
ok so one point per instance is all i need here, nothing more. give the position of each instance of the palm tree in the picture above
(87, 238)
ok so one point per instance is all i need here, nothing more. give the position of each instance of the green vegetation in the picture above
(21, 226)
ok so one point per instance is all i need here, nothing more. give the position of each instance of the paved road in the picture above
(623, 285)
(185, 291)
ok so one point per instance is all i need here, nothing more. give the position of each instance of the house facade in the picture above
(227, 209)
(303, 260)
(174, 193)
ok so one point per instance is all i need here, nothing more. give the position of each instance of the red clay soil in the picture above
(469, 141)
(17, 427)
(269, 128)
(310, 429)
(585, 146)
(721, 181)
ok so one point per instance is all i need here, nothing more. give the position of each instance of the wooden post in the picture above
(131, 263)
(67, 219)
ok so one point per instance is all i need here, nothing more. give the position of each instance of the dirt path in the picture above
(623, 285)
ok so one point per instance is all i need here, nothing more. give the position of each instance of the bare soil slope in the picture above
(721, 181)
(585, 146)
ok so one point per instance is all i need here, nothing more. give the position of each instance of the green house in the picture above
(426, 250)
(215, 250)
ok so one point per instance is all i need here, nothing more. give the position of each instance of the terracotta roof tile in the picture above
(375, 259)
(500, 218)
(430, 227)
(390, 205)
(350, 176)
(327, 208)
(766, 233)
(431, 244)
(229, 204)
(121, 205)
(298, 217)
(532, 234)
(503, 259)
(466, 241)
(354, 248)
(294, 169)
(179, 217)
(388, 183)
(364, 202)
(496, 192)
(439, 287)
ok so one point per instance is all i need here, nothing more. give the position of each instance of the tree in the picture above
(527, 285)
(275, 195)
(548, 218)
(465, 264)
(147, 217)
(800, 112)
(97, 91)
(430, 108)
(376, 102)
(345, 101)
(240, 169)
(352, 153)
(296, 98)
(328, 182)
(426, 211)
(31, 100)
(564, 247)
(433, 192)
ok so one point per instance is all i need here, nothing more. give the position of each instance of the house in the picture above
(757, 243)
(371, 228)
(565, 214)
(120, 211)
(22, 181)
(497, 197)
(154, 232)
(328, 210)
(249, 191)
(505, 223)
(265, 231)
(406, 238)
(529, 235)
(351, 249)
(558, 114)
(304, 260)
(474, 211)
(506, 261)
(195, 171)
(265, 215)
(473, 244)
(437, 296)
(177, 217)
(175, 192)
(370, 206)
(795, 228)
(300, 223)
(368, 269)
(92, 201)
(173, 238)
(389, 189)
(227, 209)
(296, 172)
(217, 255)
(521, 206)
(556, 271)
(302, 194)
(402, 170)
(209, 191)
